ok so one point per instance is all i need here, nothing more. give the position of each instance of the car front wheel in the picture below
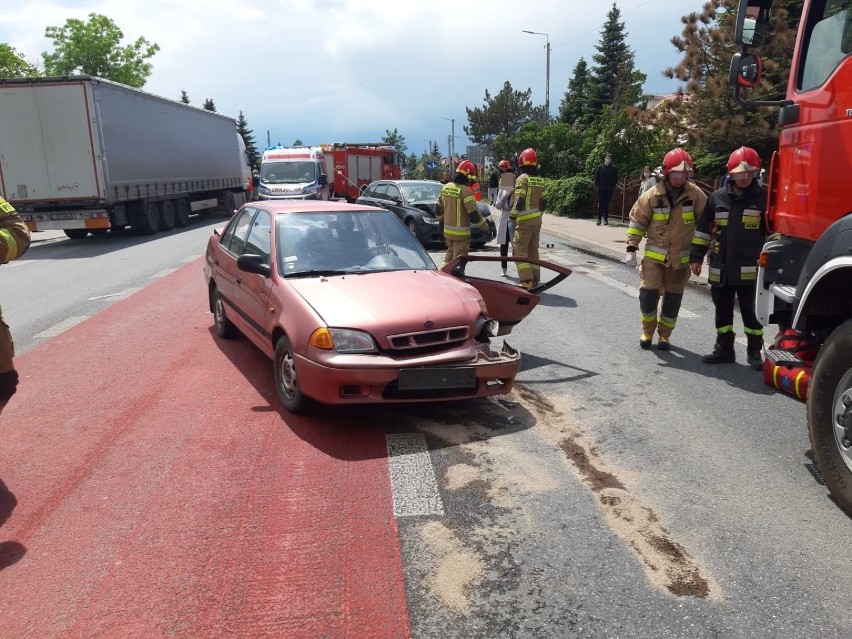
(286, 378)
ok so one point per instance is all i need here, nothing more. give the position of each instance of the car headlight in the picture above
(430, 220)
(343, 340)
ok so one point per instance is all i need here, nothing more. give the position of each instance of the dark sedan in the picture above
(414, 203)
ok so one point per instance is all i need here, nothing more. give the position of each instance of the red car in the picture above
(352, 310)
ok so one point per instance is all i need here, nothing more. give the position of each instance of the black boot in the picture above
(754, 352)
(723, 351)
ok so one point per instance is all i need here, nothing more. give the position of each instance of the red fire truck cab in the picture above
(353, 165)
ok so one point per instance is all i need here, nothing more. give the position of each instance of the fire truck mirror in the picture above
(745, 70)
(752, 22)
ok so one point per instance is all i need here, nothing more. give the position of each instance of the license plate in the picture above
(436, 378)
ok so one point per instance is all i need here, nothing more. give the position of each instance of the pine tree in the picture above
(576, 100)
(208, 104)
(248, 139)
(502, 115)
(184, 97)
(614, 79)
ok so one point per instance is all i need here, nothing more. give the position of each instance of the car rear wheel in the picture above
(286, 379)
(224, 328)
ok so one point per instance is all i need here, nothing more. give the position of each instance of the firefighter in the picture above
(665, 214)
(733, 228)
(529, 202)
(456, 209)
(14, 241)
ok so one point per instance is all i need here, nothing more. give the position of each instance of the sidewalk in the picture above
(605, 241)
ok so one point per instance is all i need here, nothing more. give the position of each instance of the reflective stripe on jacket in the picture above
(455, 207)
(14, 234)
(530, 190)
(668, 226)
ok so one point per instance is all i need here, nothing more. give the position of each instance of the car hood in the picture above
(393, 302)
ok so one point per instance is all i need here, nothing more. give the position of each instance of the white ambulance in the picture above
(293, 173)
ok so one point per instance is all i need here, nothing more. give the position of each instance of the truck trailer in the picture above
(83, 155)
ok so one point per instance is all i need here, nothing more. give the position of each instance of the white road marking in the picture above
(163, 273)
(125, 293)
(413, 481)
(192, 258)
(63, 326)
(632, 291)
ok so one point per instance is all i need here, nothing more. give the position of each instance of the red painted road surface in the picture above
(152, 486)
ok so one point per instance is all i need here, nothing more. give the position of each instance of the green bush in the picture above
(570, 197)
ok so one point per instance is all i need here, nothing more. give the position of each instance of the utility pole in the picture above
(451, 143)
(547, 84)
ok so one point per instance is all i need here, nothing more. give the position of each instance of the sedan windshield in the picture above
(421, 192)
(291, 172)
(346, 242)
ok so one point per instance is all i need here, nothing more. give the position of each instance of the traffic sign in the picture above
(431, 165)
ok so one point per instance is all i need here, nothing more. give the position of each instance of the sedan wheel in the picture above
(224, 328)
(286, 379)
(413, 228)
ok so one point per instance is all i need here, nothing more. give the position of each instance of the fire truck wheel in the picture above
(224, 328)
(830, 414)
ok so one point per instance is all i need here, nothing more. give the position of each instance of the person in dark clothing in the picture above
(733, 228)
(606, 177)
(493, 185)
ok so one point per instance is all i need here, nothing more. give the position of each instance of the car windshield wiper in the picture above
(317, 273)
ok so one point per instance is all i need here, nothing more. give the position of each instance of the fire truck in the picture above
(805, 271)
(351, 166)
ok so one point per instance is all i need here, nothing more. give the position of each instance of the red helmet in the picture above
(466, 168)
(744, 160)
(678, 161)
(528, 157)
(504, 165)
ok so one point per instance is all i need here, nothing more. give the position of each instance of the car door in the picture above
(506, 303)
(394, 201)
(251, 290)
(224, 260)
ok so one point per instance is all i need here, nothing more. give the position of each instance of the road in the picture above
(152, 486)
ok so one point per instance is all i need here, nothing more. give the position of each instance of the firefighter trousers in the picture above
(455, 248)
(723, 299)
(658, 280)
(525, 244)
(8, 374)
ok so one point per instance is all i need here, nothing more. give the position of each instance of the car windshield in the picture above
(421, 192)
(346, 242)
(290, 172)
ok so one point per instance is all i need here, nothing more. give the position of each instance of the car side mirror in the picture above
(323, 180)
(254, 264)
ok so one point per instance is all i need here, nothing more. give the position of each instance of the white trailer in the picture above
(83, 154)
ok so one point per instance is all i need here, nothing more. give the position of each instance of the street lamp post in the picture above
(451, 142)
(547, 85)
(268, 140)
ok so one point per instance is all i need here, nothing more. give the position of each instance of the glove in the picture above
(630, 260)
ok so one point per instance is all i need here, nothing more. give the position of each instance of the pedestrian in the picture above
(665, 214)
(733, 229)
(606, 177)
(456, 209)
(493, 185)
(255, 183)
(648, 179)
(529, 203)
(14, 241)
(503, 202)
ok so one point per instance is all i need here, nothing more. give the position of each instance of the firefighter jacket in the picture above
(456, 210)
(529, 198)
(14, 234)
(667, 223)
(733, 228)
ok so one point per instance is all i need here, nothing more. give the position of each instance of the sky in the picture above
(349, 71)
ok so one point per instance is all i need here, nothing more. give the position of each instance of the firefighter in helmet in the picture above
(14, 241)
(529, 203)
(456, 209)
(732, 228)
(665, 215)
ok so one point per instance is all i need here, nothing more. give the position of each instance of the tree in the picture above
(576, 101)
(613, 80)
(298, 142)
(714, 123)
(209, 105)
(13, 64)
(93, 48)
(395, 140)
(184, 97)
(248, 139)
(501, 115)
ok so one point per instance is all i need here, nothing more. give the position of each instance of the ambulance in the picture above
(293, 173)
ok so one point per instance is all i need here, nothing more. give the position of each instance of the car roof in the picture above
(404, 182)
(312, 206)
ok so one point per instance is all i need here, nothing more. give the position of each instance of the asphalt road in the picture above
(152, 485)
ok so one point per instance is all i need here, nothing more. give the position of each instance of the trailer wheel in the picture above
(230, 204)
(167, 215)
(182, 211)
(76, 234)
(149, 222)
(830, 414)
(224, 328)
